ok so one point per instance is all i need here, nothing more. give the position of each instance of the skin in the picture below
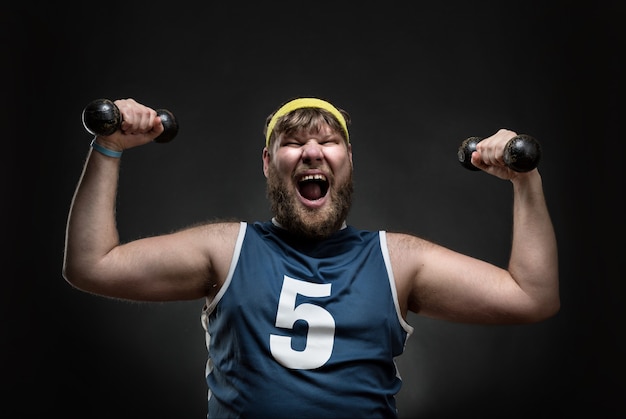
(192, 263)
(302, 154)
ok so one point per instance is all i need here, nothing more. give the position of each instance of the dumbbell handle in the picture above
(103, 117)
(521, 153)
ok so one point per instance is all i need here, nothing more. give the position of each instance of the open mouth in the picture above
(313, 187)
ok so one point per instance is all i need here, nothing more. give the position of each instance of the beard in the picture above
(306, 222)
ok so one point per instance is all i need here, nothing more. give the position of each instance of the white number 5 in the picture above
(321, 332)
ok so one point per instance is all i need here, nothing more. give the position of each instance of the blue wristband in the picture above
(104, 150)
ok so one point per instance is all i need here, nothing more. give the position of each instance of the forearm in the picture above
(534, 257)
(91, 228)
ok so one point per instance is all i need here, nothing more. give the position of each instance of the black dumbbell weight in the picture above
(102, 117)
(521, 154)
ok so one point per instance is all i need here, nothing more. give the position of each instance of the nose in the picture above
(312, 151)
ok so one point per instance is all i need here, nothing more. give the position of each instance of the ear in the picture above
(266, 160)
(350, 151)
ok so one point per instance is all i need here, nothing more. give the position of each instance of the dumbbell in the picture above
(521, 154)
(103, 117)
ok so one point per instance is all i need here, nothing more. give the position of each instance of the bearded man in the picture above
(305, 314)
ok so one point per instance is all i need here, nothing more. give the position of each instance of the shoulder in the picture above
(406, 243)
(215, 239)
(214, 242)
(219, 227)
(409, 255)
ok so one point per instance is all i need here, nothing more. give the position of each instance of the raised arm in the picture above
(438, 282)
(186, 264)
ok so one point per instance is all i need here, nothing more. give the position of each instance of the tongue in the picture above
(311, 191)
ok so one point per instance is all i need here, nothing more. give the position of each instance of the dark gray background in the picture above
(417, 80)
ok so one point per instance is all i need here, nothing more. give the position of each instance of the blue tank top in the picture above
(305, 329)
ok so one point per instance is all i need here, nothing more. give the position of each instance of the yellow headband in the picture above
(305, 103)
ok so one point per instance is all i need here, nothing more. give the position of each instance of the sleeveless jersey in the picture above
(305, 329)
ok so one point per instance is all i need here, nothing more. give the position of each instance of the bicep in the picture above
(445, 284)
(183, 265)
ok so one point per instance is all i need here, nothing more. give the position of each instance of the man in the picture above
(305, 314)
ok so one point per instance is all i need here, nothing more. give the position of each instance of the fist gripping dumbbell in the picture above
(521, 154)
(103, 117)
